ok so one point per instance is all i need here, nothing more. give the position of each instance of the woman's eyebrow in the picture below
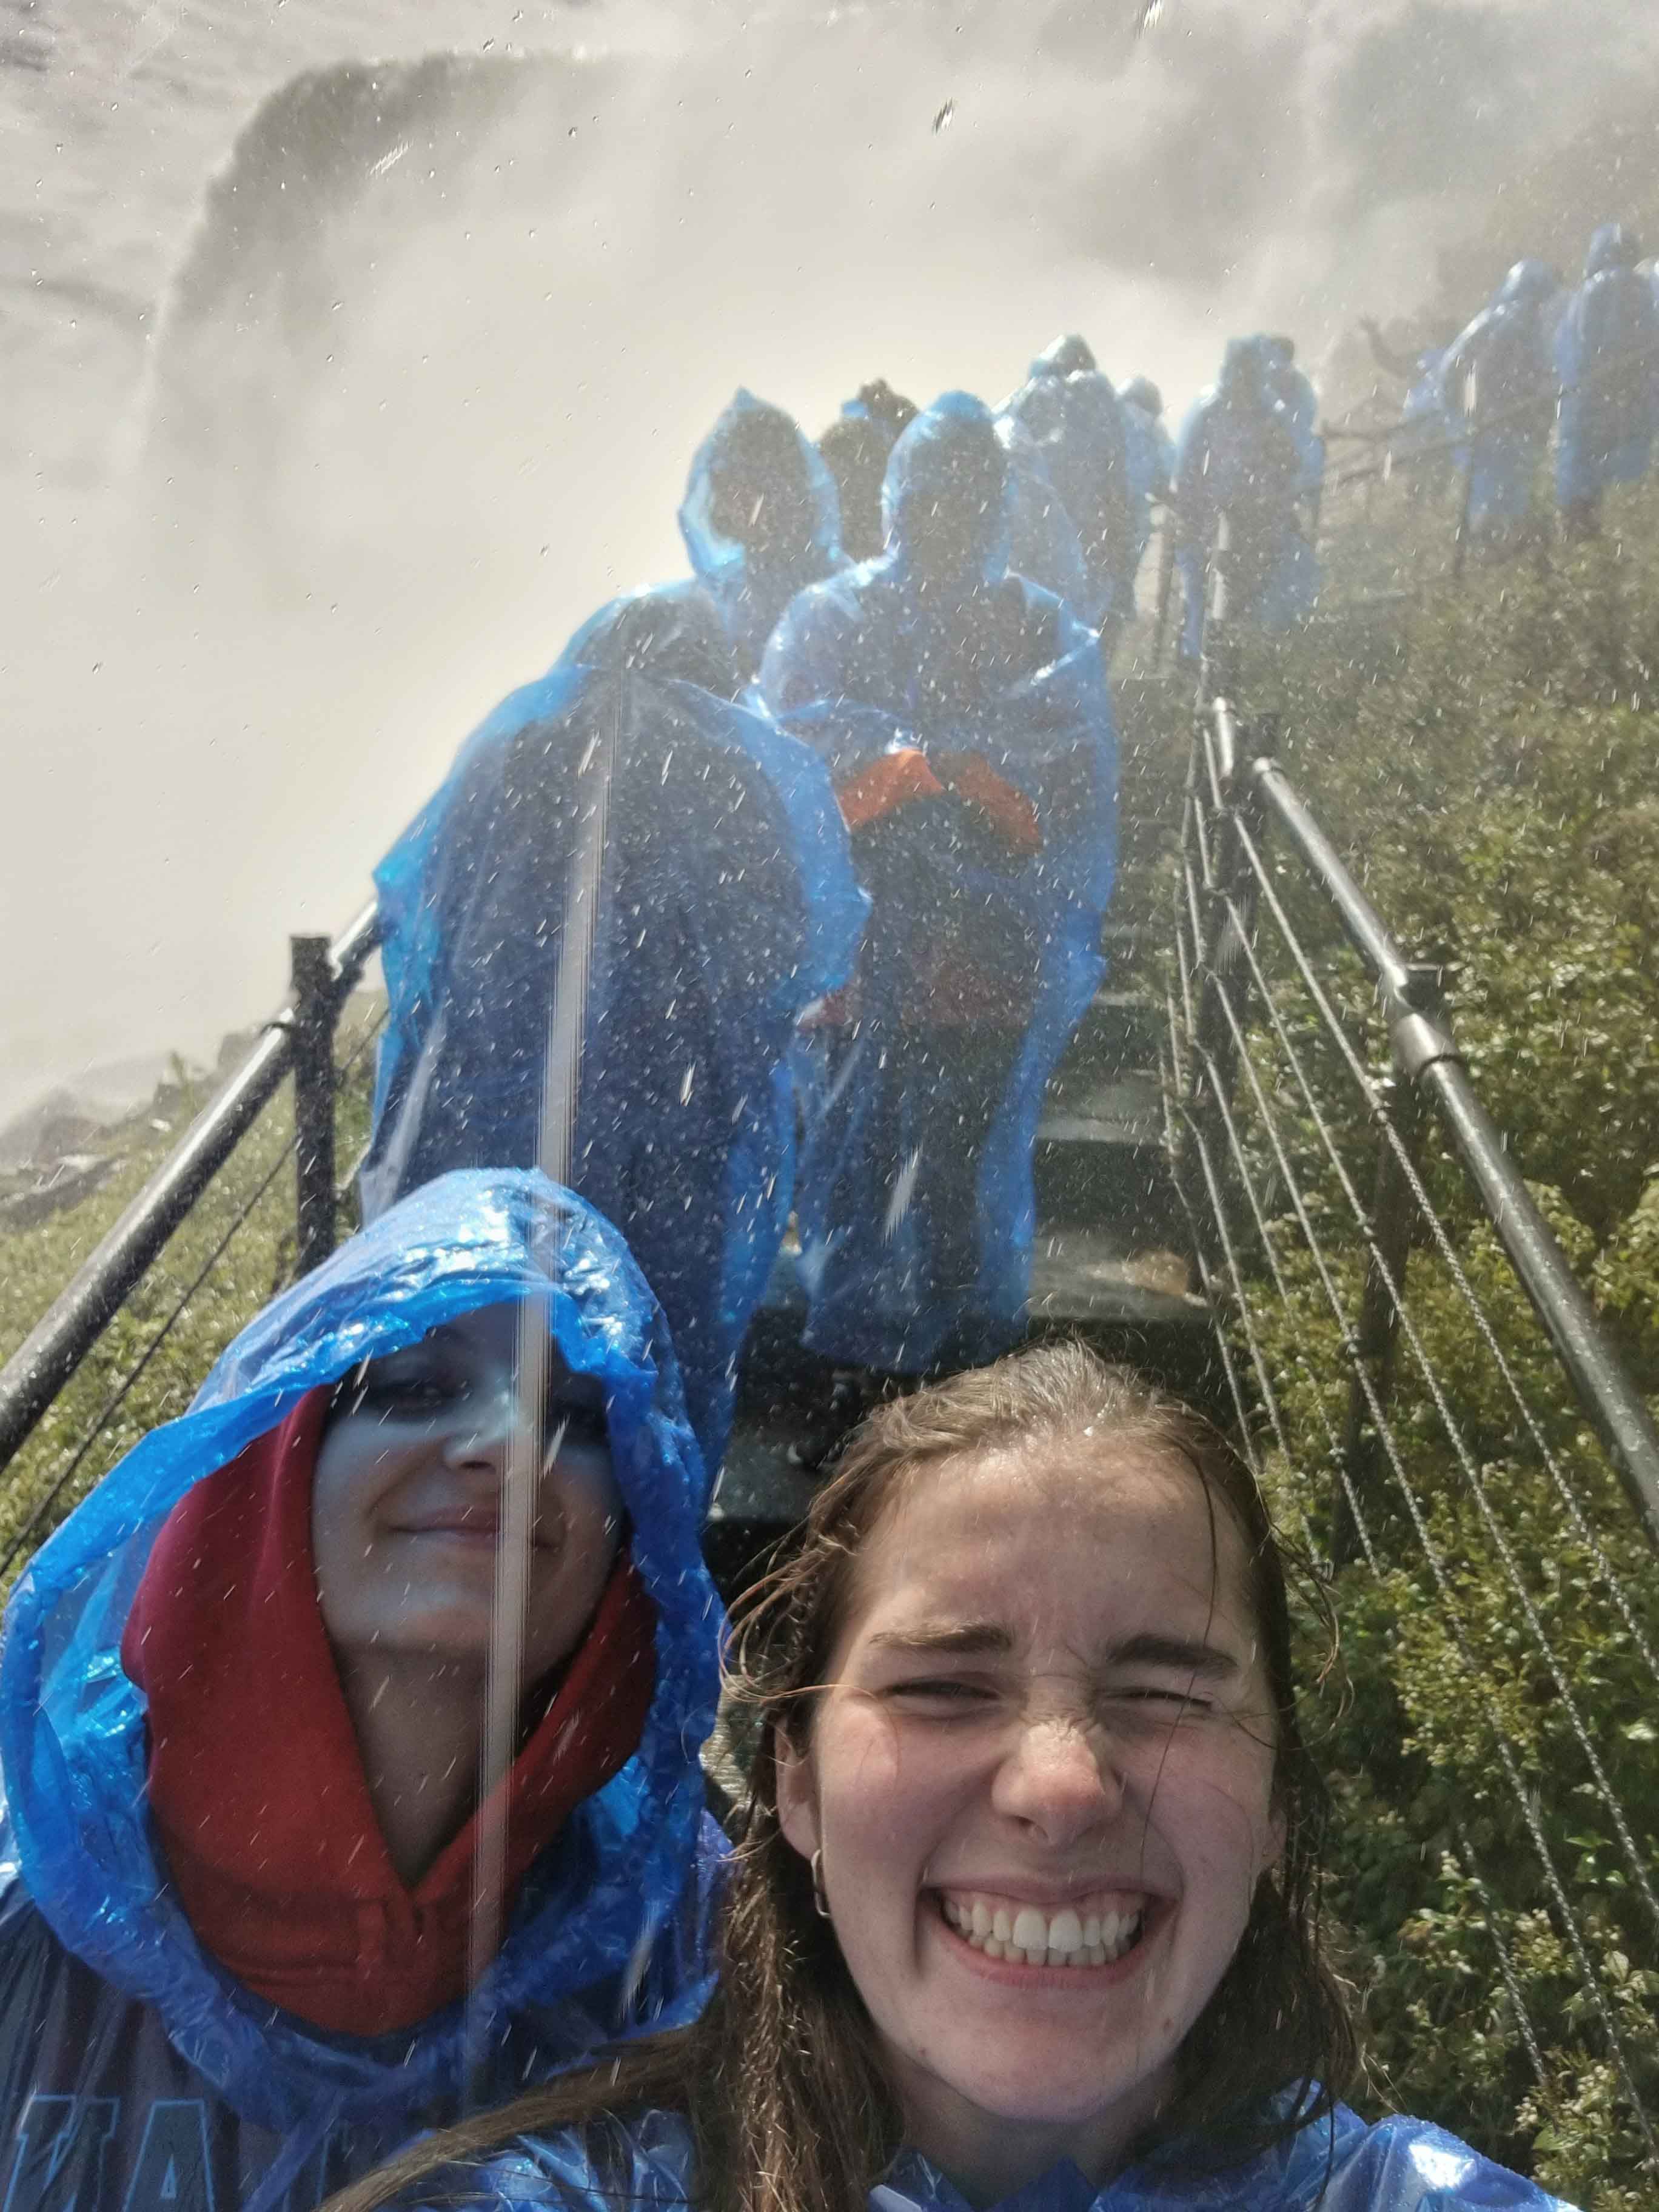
(944, 1637)
(1177, 1653)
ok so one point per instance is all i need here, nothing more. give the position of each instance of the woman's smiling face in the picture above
(1041, 1778)
(408, 1503)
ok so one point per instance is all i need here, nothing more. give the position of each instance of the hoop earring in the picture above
(820, 1897)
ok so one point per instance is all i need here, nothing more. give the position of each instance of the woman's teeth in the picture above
(1003, 1928)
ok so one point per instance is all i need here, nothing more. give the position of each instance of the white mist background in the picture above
(209, 741)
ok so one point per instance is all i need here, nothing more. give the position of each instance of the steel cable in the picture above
(1485, 1327)
(1431, 1377)
(1504, 1748)
(118, 1398)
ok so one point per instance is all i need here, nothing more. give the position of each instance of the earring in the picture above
(820, 1899)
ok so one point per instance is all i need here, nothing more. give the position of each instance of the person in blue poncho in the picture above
(1422, 452)
(1423, 447)
(1043, 545)
(1606, 357)
(597, 938)
(1497, 387)
(1028, 1910)
(242, 1704)
(1070, 412)
(1239, 457)
(965, 720)
(856, 448)
(1149, 454)
(1295, 392)
(760, 522)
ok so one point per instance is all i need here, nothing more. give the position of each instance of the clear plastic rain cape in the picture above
(1607, 356)
(1340, 2166)
(619, 901)
(916, 1198)
(135, 2072)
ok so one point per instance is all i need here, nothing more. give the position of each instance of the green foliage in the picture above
(234, 1250)
(1484, 756)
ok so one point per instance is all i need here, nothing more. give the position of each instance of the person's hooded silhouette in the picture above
(760, 522)
(965, 720)
(856, 449)
(1607, 356)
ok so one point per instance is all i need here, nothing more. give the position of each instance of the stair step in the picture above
(1086, 1107)
(1109, 1261)
(1091, 1277)
(1099, 1160)
(1134, 1305)
(1121, 1030)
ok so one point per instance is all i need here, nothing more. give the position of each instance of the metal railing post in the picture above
(66, 1333)
(1426, 1053)
(1386, 1261)
(1225, 982)
(316, 1005)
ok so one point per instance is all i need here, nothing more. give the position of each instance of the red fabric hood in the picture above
(256, 1787)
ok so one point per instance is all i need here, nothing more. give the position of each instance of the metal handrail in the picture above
(1427, 1055)
(54, 1348)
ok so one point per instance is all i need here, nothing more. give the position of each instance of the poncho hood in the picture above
(72, 1732)
(751, 598)
(1529, 282)
(950, 451)
(1067, 356)
(1611, 246)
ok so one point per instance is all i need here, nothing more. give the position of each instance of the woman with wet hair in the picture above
(351, 1726)
(1025, 1911)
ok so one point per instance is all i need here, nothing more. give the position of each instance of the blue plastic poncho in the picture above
(1149, 454)
(1497, 384)
(1043, 540)
(1070, 413)
(1423, 445)
(128, 2057)
(1069, 355)
(1295, 394)
(756, 471)
(1606, 357)
(1238, 456)
(726, 903)
(1343, 2164)
(856, 449)
(915, 1200)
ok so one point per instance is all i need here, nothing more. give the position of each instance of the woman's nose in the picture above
(481, 1429)
(1060, 1779)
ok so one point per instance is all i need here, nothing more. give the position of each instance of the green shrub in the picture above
(1484, 757)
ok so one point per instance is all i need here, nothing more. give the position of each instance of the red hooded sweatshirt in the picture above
(257, 1786)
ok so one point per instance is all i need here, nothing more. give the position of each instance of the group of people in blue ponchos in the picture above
(881, 796)
(355, 1844)
(1541, 360)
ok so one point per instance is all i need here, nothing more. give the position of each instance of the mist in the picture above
(317, 445)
